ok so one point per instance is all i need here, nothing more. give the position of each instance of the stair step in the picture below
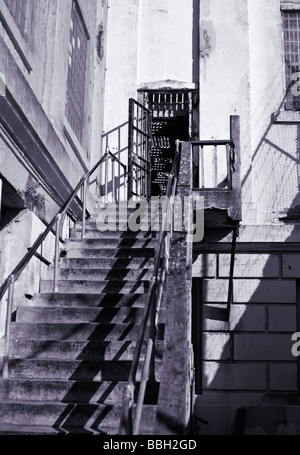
(114, 370)
(79, 314)
(108, 263)
(63, 415)
(110, 242)
(91, 300)
(77, 350)
(68, 391)
(36, 430)
(29, 430)
(123, 253)
(77, 331)
(104, 274)
(93, 232)
(101, 286)
(65, 391)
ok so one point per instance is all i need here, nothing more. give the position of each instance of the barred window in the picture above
(18, 11)
(76, 72)
(291, 25)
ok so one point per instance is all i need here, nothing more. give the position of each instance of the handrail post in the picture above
(113, 189)
(56, 254)
(84, 196)
(8, 326)
(152, 335)
(125, 427)
(106, 173)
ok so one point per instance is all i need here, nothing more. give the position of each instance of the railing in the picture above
(128, 425)
(56, 224)
(213, 162)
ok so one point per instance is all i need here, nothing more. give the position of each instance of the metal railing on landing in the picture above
(128, 425)
(213, 163)
(56, 223)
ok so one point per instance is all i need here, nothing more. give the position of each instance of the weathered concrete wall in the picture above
(174, 403)
(146, 42)
(242, 72)
(275, 147)
(46, 46)
(224, 74)
(165, 41)
(15, 239)
(252, 352)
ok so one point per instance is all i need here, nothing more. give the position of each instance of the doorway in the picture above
(171, 112)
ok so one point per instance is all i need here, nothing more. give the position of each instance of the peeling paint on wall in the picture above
(99, 42)
(33, 200)
(207, 38)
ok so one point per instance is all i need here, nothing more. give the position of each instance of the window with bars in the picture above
(18, 11)
(76, 72)
(291, 25)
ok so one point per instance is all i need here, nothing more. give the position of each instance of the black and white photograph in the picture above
(149, 222)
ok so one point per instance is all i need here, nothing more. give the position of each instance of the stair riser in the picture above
(65, 415)
(122, 227)
(107, 263)
(74, 300)
(91, 233)
(102, 275)
(76, 332)
(107, 242)
(112, 253)
(91, 287)
(77, 350)
(72, 370)
(63, 391)
(80, 315)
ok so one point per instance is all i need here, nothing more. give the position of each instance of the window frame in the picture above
(291, 104)
(76, 89)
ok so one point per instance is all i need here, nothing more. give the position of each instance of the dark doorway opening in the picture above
(171, 119)
(11, 204)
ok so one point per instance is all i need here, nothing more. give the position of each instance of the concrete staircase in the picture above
(71, 350)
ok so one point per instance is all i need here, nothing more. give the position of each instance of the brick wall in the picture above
(251, 351)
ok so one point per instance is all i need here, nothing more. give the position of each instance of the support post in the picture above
(1, 187)
(8, 326)
(85, 186)
(235, 137)
(56, 254)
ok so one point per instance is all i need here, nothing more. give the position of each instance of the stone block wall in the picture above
(251, 351)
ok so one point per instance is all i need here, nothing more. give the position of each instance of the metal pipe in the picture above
(84, 196)
(56, 253)
(1, 186)
(113, 181)
(216, 165)
(143, 383)
(8, 326)
(106, 174)
(201, 163)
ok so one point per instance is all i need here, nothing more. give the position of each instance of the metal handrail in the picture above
(8, 284)
(152, 308)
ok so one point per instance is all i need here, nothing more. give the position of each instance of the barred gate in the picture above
(139, 165)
